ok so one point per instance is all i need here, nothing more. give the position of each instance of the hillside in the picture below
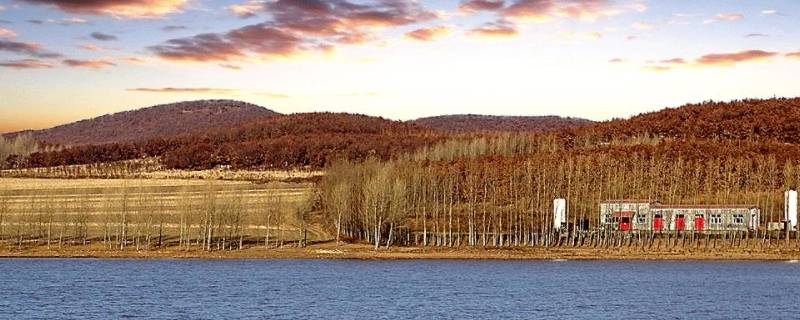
(291, 141)
(756, 120)
(157, 121)
(483, 123)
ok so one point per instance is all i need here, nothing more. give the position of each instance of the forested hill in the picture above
(290, 141)
(157, 121)
(755, 120)
(485, 123)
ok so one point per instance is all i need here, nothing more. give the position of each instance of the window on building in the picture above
(716, 219)
(738, 218)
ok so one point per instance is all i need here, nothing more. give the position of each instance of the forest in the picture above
(498, 190)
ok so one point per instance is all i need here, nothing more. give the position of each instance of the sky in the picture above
(66, 60)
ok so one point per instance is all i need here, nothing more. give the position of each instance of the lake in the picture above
(320, 289)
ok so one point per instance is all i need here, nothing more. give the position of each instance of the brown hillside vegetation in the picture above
(485, 123)
(292, 141)
(760, 120)
(157, 121)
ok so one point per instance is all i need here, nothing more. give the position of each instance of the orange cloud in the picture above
(248, 9)
(714, 60)
(500, 29)
(428, 34)
(116, 8)
(184, 90)
(91, 47)
(542, 10)
(727, 59)
(25, 64)
(134, 60)
(91, 64)
(795, 55)
(7, 33)
(480, 5)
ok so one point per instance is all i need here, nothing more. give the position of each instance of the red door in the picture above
(699, 222)
(624, 224)
(658, 223)
(680, 223)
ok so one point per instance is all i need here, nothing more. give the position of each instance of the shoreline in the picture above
(366, 252)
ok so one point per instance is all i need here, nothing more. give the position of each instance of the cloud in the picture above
(756, 35)
(184, 90)
(616, 60)
(102, 36)
(5, 21)
(91, 47)
(26, 48)
(770, 12)
(728, 59)
(295, 27)
(793, 55)
(480, 5)
(730, 16)
(134, 60)
(248, 9)
(171, 28)
(25, 64)
(642, 25)
(712, 60)
(230, 66)
(7, 33)
(499, 29)
(2, 8)
(68, 21)
(543, 10)
(35, 21)
(116, 8)
(91, 64)
(428, 34)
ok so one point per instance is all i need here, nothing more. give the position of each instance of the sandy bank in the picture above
(365, 252)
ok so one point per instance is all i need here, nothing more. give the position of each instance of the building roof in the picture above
(704, 206)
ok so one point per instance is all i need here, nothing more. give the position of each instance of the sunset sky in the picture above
(66, 60)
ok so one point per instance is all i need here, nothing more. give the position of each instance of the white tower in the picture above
(559, 213)
(790, 207)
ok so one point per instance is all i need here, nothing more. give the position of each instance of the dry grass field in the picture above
(154, 213)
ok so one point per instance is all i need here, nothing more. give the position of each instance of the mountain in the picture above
(776, 120)
(482, 123)
(157, 121)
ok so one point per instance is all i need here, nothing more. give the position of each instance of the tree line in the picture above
(499, 191)
(210, 218)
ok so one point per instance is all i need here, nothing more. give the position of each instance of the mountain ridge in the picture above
(161, 120)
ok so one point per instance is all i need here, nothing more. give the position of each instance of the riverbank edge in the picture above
(364, 252)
